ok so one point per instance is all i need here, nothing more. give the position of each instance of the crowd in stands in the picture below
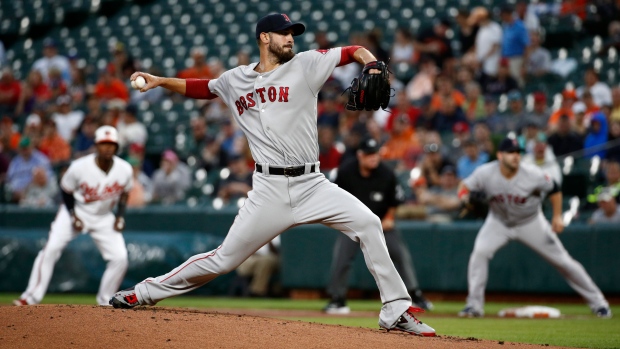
(468, 91)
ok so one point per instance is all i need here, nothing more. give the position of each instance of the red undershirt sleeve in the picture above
(198, 89)
(346, 54)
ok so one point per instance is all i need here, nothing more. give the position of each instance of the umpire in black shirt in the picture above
(374, 184)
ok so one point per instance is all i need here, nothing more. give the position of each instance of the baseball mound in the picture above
(73, 326)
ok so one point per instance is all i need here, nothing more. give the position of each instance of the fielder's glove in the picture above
(370, 91)
(476, 205)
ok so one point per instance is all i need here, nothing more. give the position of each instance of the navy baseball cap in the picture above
(509, 145)
(276, 22)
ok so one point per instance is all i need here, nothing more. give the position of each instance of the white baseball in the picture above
(133, 84)
(140, 82)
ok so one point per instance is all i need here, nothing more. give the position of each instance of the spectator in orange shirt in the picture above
(200, 69)
(588, 100)
(569, 97)
(109, 87)
(402, 142)
(8, 136)
(53, 145)
(445, 90)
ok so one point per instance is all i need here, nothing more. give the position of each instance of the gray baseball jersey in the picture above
(512, 201)
(277, 110)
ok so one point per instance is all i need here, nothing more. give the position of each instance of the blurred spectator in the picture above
(539, 58)
(473, 106)
(402, 48)
(94, 108)
(79, 86)
(596, 138)
(591, 107)
(433, 163)
(613, 153)
(198, 137)
(402, 107)
(482, 136)
(447, 116)
(515, 42)
(329, 156)
(564, 140)
(56, 84)
(615, 104)
(574, 7)
(123, 64)
(41, 191)
(581, 120)
(216, 67)
(239, 181)
(109, 87)
(228, 136)
(53, 145)
(502, 83)
(85, 139)
(216, 111)
(22, 167)
(463, 77)
(51, 59)
(140, 193)
(10, 90)
(599, 90)
(530, 133)
(130, 130)
(4, 164)
(423, 83)
(212, 156)
(330, 111)
(516, 114)
(9, 137)
(526, 14)
(434, 43)
(608, 210)
(402, 141)
(199, 68)
(569, 97)
(138, 151)
(493, 120)
(171, 180)
(34, 92)
(467, 32)
(462, 134)
(260, 267)
(488, 41)
(540, 113)
(472, 158)
(243, 57)
(66, 118)
(611, 185)
(375, 45)
(544, 159)
(442, 202)
(322, 40)
(445, 90)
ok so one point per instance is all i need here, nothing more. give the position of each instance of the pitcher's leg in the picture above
(343, 255)
(539, 237)
(258, 222)
(111, 244)
(492, 236)
(61, 233)
(327, 204)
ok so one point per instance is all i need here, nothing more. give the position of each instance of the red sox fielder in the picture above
(91, 187)
(515, 192)
(275, 103)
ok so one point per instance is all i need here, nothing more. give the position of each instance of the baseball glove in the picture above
(477, 205)
(370, 91)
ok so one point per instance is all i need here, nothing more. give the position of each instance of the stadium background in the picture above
(159, 35)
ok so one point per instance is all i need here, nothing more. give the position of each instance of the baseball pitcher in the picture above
(515, 192)
(275, 103)
(91, 188)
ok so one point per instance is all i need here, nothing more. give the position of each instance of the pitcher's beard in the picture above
(281, 55)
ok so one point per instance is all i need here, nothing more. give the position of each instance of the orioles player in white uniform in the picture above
(91, 188)
(275, 103)
(515, 191)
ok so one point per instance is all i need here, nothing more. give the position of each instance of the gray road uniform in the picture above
(277, 111)
(515, 214)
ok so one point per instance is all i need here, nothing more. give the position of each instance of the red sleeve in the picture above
(198, 89)
(346, 55)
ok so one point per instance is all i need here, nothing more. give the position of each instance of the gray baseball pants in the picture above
(276, 204)
(344, 253)
(538, 236)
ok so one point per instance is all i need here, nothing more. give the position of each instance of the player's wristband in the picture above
(462, 193)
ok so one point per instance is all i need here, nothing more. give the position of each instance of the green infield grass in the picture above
(577, 328)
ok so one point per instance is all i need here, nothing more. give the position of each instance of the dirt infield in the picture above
(73, 326)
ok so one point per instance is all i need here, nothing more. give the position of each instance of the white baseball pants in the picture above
(110, 243)
(276, 204)
(538, 236)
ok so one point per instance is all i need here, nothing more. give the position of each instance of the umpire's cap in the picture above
(369, 146)
(276, 22)
(509, 145)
